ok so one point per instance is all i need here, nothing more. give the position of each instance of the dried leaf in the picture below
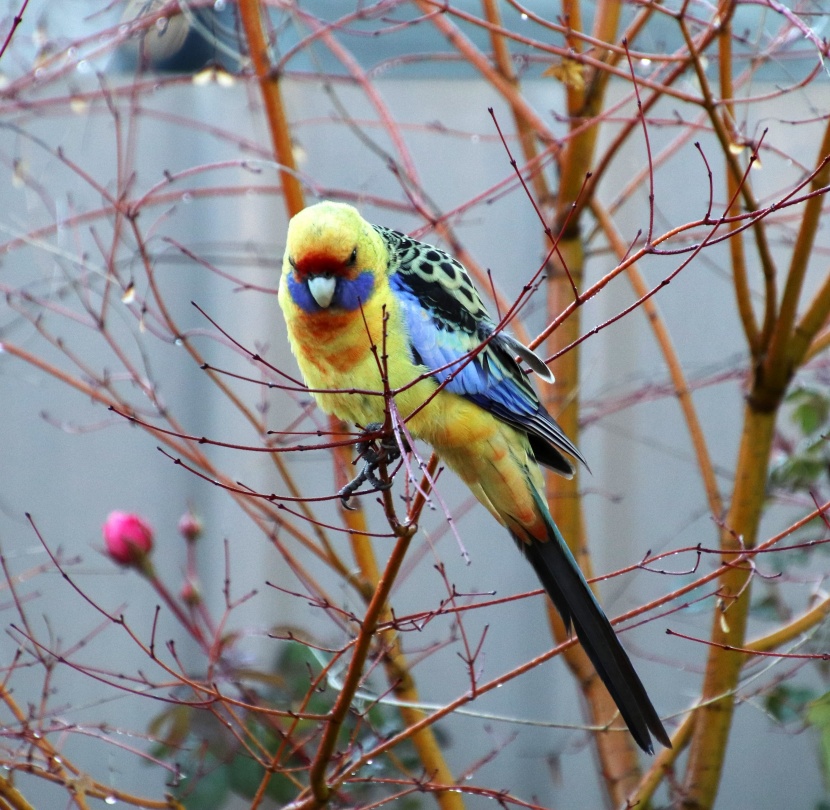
(569, 71)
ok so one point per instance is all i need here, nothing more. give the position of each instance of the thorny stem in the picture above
(739, 182)
(714, 718)
(374, 612)
(479, 61)
(683, 734)
(669, 598)
(60, 769)
(16, 20)
(681, 386)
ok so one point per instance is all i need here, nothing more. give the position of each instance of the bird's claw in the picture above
(374, 453)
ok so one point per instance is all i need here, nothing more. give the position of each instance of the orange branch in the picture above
(250, 15)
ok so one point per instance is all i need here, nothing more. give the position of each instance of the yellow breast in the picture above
(344, 358)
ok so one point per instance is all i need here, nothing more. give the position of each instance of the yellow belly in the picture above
(341, 357)
(345, 378)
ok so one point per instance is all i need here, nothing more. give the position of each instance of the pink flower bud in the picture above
(128, 538)
(190, 527)
(190, 594)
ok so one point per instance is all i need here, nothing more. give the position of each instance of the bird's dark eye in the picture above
(291, 262)
(352, 258)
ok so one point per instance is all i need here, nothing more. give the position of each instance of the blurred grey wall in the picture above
(68, 462)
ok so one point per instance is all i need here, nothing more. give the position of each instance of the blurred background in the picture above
(88, 116)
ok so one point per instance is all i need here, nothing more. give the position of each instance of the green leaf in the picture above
(810, 408)
(207, 791)
(245, 776)
(798, 472)
(788, 703)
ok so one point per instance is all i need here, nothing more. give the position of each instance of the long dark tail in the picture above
(561, 578)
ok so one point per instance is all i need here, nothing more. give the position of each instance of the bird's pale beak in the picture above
(322, 289)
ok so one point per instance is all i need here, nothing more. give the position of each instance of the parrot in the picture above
(348, 286)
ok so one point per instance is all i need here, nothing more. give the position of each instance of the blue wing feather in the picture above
(445, 328)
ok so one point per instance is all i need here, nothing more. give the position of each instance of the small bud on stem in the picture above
(190, 527)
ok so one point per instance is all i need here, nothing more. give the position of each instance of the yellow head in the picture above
(332, 258)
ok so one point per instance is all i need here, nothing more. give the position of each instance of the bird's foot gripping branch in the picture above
(375, 452)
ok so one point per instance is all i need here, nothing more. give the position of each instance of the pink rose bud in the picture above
(128, 538)
(190, 527)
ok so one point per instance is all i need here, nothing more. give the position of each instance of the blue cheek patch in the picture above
(351, 293)
(348, 294)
